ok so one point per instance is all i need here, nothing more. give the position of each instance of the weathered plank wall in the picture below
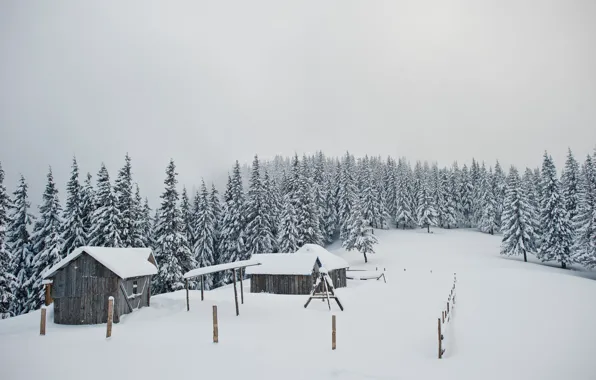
(281, 284)
(82, 288)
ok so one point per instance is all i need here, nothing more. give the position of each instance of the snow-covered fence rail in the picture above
(446, 317)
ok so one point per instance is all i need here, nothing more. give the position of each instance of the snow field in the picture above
(512, 320)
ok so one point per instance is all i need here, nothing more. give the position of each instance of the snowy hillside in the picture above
(513, 320)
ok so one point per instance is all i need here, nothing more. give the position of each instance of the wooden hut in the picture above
(82, 282)
(295, 273)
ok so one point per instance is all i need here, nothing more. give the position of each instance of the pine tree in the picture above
(390, 187)
(361, 236)
(533, 209)
(139, 225)
(105, 220)
(570, 186)
(19, 242)
(124, 202)
(172, 251)
(146, 226)
(46, 242)
(346, 195)
(259, 232)
(465, 195)
(329, 211)
(288, 230)
(7, 280)
(499, 192)
(231, 246)
(488, 219)
(585, 220)
(204, 230)
(87, 207)
(517, 219)
(307, 212)
(405, 214)
(556, 232)
(272, 207)
(74, 234)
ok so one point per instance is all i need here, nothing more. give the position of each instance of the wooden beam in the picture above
(333, 332)
(187, 299)
(241, 287)
(42, 324)
(236, 293)
(202, 287)
(215, 326)
(126, 297)
(48, 295)
(110, 316)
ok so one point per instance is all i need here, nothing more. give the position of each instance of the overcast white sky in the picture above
(208, 82)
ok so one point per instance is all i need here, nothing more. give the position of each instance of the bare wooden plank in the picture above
(235, 293)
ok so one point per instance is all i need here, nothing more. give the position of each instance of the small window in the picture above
(134, 287)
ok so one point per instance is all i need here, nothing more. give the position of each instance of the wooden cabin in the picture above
(82, 282)
(295, 273)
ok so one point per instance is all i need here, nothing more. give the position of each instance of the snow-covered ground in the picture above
(513, 320)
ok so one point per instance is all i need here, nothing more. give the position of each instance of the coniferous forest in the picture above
(279, 205)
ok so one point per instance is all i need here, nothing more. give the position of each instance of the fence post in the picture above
(215, 326)
(42, 324)
(440, 339)
(110, 316)
(333, 333)
(48, 294)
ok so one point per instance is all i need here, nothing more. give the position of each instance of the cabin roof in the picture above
(124, 262)
(283, 264)
(329, 260)
(220, 267)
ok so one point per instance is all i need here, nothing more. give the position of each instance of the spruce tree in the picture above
(517, 223)
(215, 205)
(426, 213)
(556, 232)
(361, 236)
(124, 201)
(288, 231)
(105, 220)
(273, 205)
(172, 251)
(346, 195)
(307, 211)
(390, 187)
(187, 216)
(139, 222)
(329, 211)
(465, 195)
(46, 242)
(204, 230)
(585, 220)
(74, 233)
(533, 209)
(488, 218)
(7, 280)
(19, 242)
(448, 207)
(499, 191)
(405, 214)
(146, 226)
(259, 232)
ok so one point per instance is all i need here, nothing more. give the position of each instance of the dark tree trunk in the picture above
(525, 257)
(428, 228)
(365, 258)
(563, 265)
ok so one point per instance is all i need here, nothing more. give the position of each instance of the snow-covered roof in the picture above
(328, 259)
(220, 267)
(283, 263)
(124, 262)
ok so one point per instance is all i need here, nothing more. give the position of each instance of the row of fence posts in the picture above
(446, 316)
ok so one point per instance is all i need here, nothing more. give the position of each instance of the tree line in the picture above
(288, 202)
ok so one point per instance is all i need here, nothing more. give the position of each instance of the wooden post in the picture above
(236, 293)
(202, 287)
(447, 307)
(440, 339)
(110, 316)
(215, 327)
(241, 287)
(42, 324)
(443, 315)
(48, 295)
(333, 334)
(187, 299)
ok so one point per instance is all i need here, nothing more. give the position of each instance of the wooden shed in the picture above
(295, 273)
(83, 281)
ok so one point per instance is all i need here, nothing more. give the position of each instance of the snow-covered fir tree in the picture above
(217, 215)
(145, 227)
(46, 241)
(556, 240)
(390, 187)
(7, 280)
(123, 193)
(87, 206)
(346, 195)
(321, 190)
(533, 209)
(204, 230)
(477, 179)
(361, 235)
(257, 211)
(105, 220)
(329, 211)
(570, 186)
(517, 219)
(74, 234)
(499, 185)
(488, 214)
(231, 246)
(405, 214)
(273, 206)
(19, 242)
(138, 219)
(585, 219)
(307, 211)
(171, 247)
(447, 201)
(465, 197)
(187, 215)
(426, 213)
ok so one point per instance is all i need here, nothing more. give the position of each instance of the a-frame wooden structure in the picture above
(328, 291)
